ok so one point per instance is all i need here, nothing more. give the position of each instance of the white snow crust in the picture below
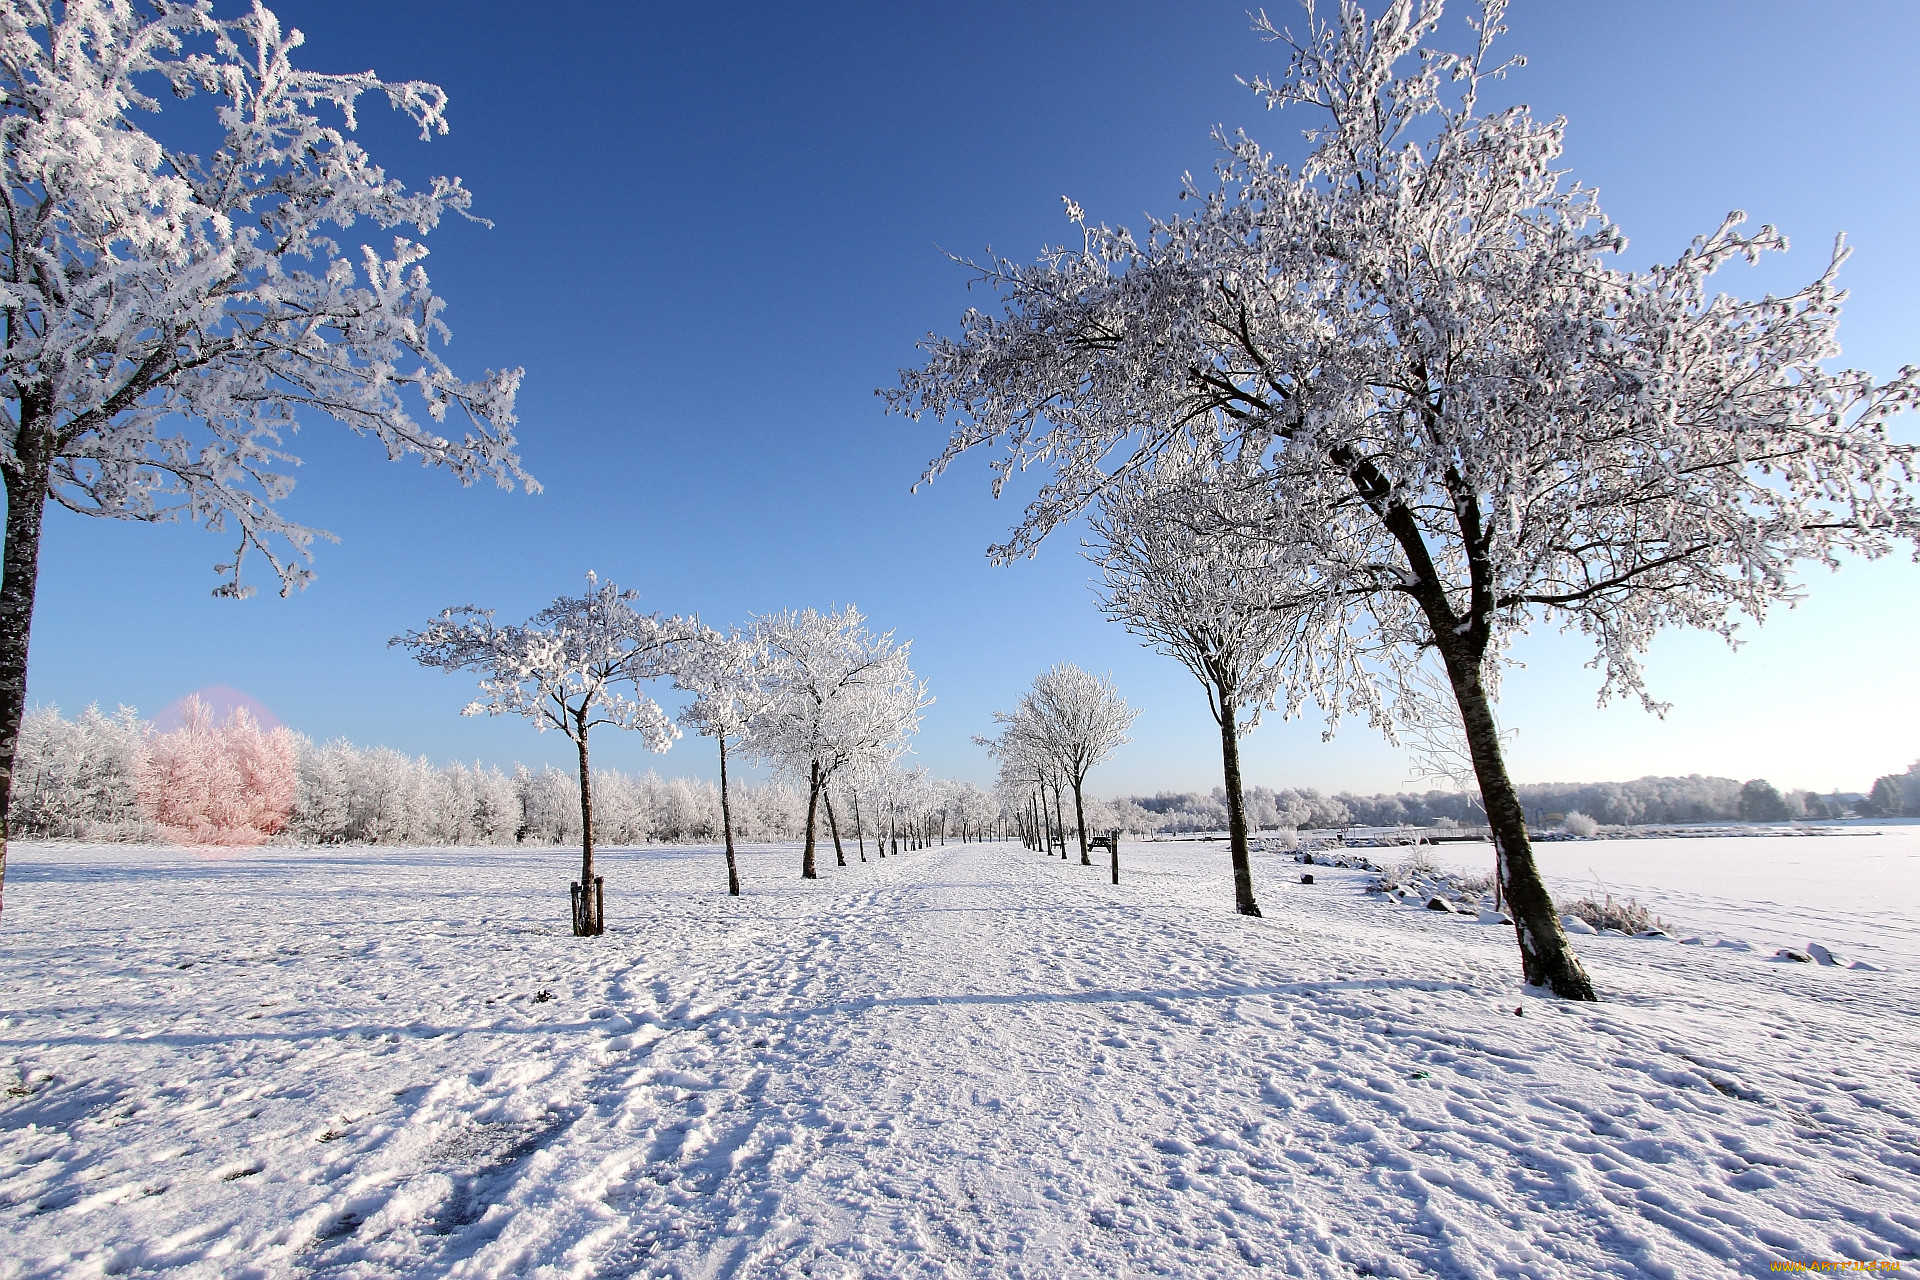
(966, 1061)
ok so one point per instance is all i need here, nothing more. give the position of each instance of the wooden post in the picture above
(1113, 844)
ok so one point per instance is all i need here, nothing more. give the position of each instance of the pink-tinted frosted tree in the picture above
(231, 783)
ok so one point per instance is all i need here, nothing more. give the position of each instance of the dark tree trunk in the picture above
(587, 917)
(839, 854)
(26, 509)
(1243, 901)
(1080, 822)
(859, 832)
(726, 823)
(1547, 959)
(1059, 820)
(813, 805)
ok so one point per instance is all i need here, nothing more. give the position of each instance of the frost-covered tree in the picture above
(1466, 416)
(726, 675)
(168, 315)
(1082, 720)
(838, 697)
(229, 783)
(565, 669)
(79, 778)
(1203, 598)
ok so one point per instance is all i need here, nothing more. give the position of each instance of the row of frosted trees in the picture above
(1067, 722)
(829, 704)
(100, 777)
(113, 778)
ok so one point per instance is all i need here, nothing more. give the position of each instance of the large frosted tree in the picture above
(575, 666)
(169, 316)
(1465, 416)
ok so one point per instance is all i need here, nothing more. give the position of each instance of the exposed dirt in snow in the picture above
(969, 1060)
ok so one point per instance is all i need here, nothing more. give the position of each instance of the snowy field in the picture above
(1855, 889)
(967, 1061)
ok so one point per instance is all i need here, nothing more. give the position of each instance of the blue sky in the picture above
(717, 229)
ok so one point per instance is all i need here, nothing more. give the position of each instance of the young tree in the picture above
(1082, 720)
(726, 674)
(563, 670)
(838, 697)
(1464, 416)
(1202, 599)
(168, 315)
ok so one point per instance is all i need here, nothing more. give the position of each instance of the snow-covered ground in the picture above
(965, 1061)
(1855, 889)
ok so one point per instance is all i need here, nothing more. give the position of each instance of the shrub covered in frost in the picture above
(1579, 824)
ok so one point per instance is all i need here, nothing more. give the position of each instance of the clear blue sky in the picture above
(719, 228)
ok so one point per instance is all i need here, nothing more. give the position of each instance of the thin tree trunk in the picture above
(1080, 821)
(859, 833)
(1243, 901)
(1059, 820)
(839, 854)
(726, 823)
(813, 804)
(589, 923)
(1547, 959)
(26, 510)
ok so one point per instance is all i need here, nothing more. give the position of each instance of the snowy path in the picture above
(965, 1061)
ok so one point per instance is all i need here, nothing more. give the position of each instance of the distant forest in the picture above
(1644, 801)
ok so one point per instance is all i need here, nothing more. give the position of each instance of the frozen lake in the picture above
(1854, 888)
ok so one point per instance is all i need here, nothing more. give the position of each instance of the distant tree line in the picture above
(1894, 794)
(100, 777)
(112, 778)
(1644, 801)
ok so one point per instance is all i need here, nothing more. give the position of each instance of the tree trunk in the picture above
(1547, 959)
(1059, 820)
(813, 804)
(839, 854)
(1080, 823)
(859, 832)
(26, 509)
(587, 922)
(1236, 811)
(726, 823)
